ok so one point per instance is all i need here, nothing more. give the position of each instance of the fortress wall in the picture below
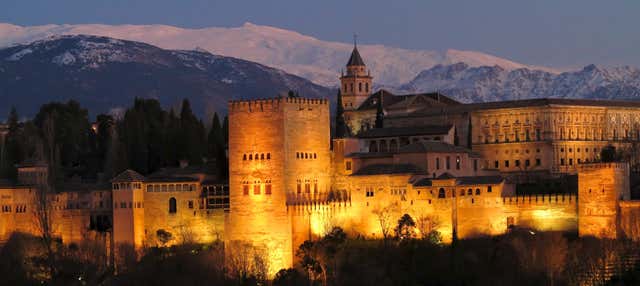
(600, 187)
(555, 212)
(630, 219)
(187, 225)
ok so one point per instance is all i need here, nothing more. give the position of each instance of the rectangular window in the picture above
(562, 162)
(571, 162)
(448, 163)
(506, 163)
(347, 166)
(245, 190)
(517, 163)
(256, 189)
(475, 165)
(307, 187)
(538, 162)
(437, 163)
(497, 164)
(538, 137)
(527, 163)
(190, 204)
(267, 189)
(299, 187)
(315, 186)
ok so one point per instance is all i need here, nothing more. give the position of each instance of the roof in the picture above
(461, 181)
(369, 155)
(386, 169)
(470, 107)
(390, 100)
(432, 146)
(170, 179)
(405, 131)
(355, 59)
(129, 176)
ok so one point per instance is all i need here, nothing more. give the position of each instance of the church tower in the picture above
(355, 85)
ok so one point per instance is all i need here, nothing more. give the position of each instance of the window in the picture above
(562, 161)
(366, 87)
(347, 166)
(497, 164)
(477, 192)
(191, 204)
(250, 157)
(469, 192)
(245, 189)
(369, 192)
(457, 162)
(172, 206)
(262, 156)
(315, 156)
(359, 87)
(441, 193)
(267, 187)
(297, 155)
(489, 189)
(517, 163)
(315, 186)
(475, 165)
(307, 186)
(448, 163)
(268, 156)
(462, 192)
(437, 163)
(571, 162)
(506, 163)
(256, 188)
(527, 163)
(299, 187)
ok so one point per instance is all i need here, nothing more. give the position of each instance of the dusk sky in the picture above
(541, 32)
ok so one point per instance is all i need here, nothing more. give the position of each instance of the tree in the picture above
(384, 216)
(11, 151)
(428, 227)
(342, 130)
(164, 237)
(406, 227)
(608, 154)
(289, 277)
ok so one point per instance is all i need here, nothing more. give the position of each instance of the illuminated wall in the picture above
(278, 155)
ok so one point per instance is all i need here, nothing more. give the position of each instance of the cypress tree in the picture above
(342, 130)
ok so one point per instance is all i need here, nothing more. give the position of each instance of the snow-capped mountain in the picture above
(494, 83)
(305, 56)
(105, 73)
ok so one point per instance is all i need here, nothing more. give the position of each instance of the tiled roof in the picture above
(405, 131)
(129, 176)
(390, 100)
(355, 59)
(369, 155)
(170, 179)
(461, 181)
(380, 169)
(462, 108)
(432, 146)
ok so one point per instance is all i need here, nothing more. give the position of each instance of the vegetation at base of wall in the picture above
(520, 257)
(145, 138)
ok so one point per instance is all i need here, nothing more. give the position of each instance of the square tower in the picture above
(278, 150)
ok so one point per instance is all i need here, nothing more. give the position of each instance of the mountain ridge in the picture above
(317, 60)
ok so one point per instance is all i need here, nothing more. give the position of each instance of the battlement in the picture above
(562, 199)
(599, 166)
(258, 105)
(322, 198)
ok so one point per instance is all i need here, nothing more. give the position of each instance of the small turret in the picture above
(356, 83)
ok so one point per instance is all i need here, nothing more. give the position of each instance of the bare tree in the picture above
(385, 219)
(246, 262)
(428, 226)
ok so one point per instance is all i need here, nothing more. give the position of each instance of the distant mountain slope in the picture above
(105, 73)
(479, 84)
(305, 56)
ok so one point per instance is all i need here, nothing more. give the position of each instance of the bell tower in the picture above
(355, 85)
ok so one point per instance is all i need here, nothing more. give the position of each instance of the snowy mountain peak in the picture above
(306, 56)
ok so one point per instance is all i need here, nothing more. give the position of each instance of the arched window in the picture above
(462, 192)
(441, 193)
(262, 156)
(383, 146)
(366, 87)
(244, 157)
(351, 86)
(250, 157)
(477, 191)
(393, 145)
(359, 87)
(373, 146)
(489, 189)
(268, 156)
(172, 206)
(345, 88)
(469, 192)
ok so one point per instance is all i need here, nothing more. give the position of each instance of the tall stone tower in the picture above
(356, 83)
(601, 187)
(278, 152)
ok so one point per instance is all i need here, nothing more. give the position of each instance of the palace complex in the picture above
(453, 167)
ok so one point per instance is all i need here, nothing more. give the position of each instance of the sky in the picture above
(563, 34)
